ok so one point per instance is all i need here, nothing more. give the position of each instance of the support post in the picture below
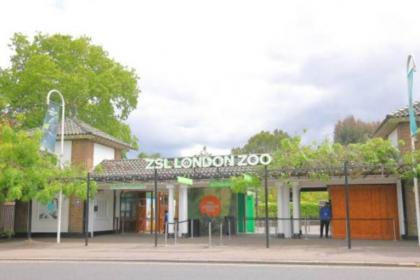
(192, 228)
(209, 234)
(229, 230)
(346, 194)
(280, 214)
(87, 210)
(221, 233)
(156, 210)
(416, 189)
(267, 237)
(183, 210)
(296, 211)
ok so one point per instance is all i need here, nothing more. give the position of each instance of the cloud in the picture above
(215, 73)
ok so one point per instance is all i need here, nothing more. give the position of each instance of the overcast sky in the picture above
(216, 72)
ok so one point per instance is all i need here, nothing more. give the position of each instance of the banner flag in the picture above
(49, 128)
(411, 68)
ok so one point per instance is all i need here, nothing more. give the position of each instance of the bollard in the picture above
(229, 229)
(221, 233)
(306, 228)
(192, 228)
(176, 232)
(166, 234)
(209, 234)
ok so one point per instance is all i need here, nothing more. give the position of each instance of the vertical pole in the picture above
(192, 228)
(209, 234)
(346, 194)
(411, 68)
(156, 210)
(166, 234)
(229, 229)
(114, 209)
(393, 226)
(176, 231)
(267, 239)
(29, 225)
(416, 188)
(87, 209)
(221, 233)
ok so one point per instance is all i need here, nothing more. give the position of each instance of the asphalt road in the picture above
(158, 271)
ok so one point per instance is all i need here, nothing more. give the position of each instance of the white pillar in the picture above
(183, 210)
(280, 212)
(286, 213)
(171, 209)
(296, 209)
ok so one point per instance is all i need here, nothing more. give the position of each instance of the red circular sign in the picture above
(210, 205)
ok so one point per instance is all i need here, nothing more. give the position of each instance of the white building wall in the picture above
(101, 152)
(67, 151)
(43, 219)
(393, 137)
(101, 214)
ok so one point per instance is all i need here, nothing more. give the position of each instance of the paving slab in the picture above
(242, 249)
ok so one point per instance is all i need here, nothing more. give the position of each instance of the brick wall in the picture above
(410, 208)
(76, 210)
(117, 154)
(403, 130)
(81, 155)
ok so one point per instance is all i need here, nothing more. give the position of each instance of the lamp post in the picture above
(411, 68)
(60, 196)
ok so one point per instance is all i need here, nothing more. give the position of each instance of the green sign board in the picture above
(184, 181)
(128, 187)
(220, 184)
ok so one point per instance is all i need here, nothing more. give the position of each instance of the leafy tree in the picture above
(262, 142)
(26, 173)
(351, 130)
(100, 90)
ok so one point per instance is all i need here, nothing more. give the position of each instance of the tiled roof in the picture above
(403, 112)
(76, 127)
(137, 169)
(392, 119)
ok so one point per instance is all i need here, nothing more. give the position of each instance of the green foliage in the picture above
(102, 91)
(26, 173)
(241, 184)
(309, 210)
(351, 130)
(320, 160)
(262, 142)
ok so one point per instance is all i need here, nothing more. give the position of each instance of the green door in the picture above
(250, 213)
(241, 212)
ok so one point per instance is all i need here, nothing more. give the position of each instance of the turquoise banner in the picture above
(412, 115)
(49, 128)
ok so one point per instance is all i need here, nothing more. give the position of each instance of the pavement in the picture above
(244, 249)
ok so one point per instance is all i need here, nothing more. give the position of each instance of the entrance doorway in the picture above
(137, 211)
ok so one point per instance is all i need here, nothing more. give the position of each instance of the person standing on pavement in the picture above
(325, 218)
(165, 221)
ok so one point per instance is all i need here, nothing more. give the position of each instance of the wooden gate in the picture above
(373, 212)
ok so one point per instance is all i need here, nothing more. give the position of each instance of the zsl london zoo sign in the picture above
(209, 161)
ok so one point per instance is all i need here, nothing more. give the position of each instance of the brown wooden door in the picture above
(373, 211)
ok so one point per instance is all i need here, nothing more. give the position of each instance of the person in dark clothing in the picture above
(325, 218)
(165, 221)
